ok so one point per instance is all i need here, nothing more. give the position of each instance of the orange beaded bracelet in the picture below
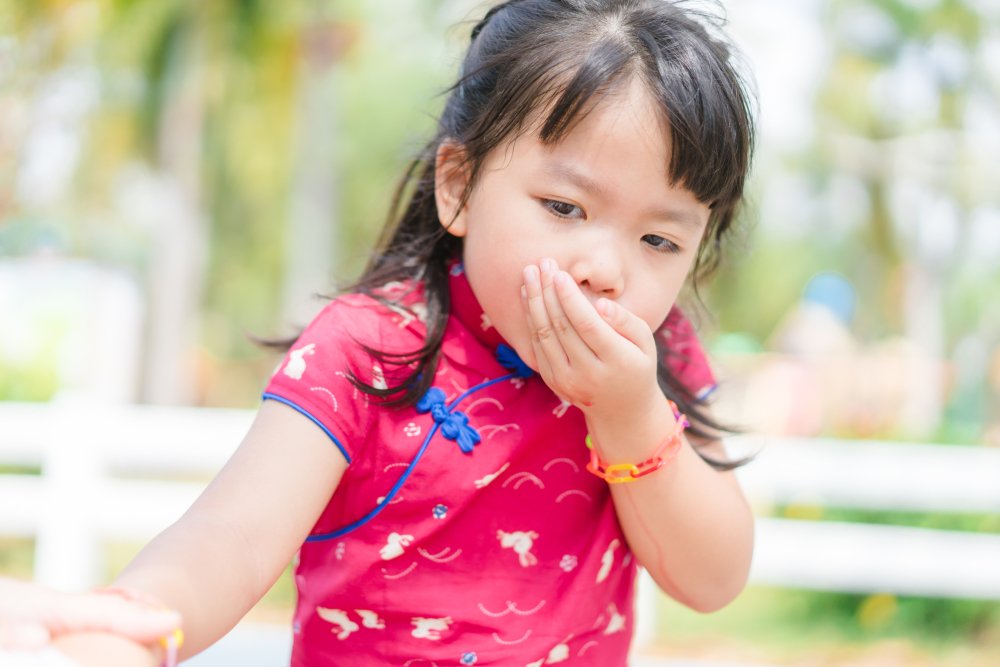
(618, 473)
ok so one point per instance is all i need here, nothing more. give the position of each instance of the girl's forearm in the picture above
(204, 569)
(691, 528)
(687, 524)
(220, 558)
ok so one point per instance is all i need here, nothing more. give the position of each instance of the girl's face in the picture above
(598, 202)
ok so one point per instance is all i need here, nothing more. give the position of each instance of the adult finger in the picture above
(102, 612)
(23, 636)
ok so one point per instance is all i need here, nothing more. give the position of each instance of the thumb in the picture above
(626, 324)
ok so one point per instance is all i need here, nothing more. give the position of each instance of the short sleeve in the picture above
(684, 355)
(314, 378)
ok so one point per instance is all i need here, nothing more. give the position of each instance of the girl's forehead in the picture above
(625, 100)
(552, 110)
(626, 113)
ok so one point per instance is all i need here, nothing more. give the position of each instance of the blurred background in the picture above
(178, 176)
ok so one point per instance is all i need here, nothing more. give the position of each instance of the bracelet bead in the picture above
(619, 473)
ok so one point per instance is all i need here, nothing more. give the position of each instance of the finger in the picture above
(589, 326)
(626, 324)
(528, 355)
(23, 636)
(99, 612)
(550, 370)
(557, 286)
(540, 362)
(544, 339)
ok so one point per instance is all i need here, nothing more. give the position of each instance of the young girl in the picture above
(474, 450)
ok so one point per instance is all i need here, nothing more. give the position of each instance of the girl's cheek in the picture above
(525, 351)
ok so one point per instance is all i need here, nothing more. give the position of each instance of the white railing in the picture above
(109, 472)
(815, 474)
(91, 457)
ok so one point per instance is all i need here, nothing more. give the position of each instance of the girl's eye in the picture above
(563, 209)
(660, 244)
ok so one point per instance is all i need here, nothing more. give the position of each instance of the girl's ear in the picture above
(450, 180)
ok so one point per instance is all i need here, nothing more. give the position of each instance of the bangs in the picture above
(562, 74)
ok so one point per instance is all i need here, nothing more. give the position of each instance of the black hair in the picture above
(557, 58)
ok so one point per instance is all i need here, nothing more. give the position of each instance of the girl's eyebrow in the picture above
(565, 172)
(682, 216)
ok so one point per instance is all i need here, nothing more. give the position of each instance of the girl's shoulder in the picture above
(684, 355)
(393, 313)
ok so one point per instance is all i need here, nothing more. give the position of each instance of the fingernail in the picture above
(531, 275)
(548, 265)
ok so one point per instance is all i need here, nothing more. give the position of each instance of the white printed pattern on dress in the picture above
(561, 409)
(430, 628)
(490, 430)
(520, 478)
(485, 481)
(570, 462)
(296, 365)
(511, 608)
(336, 406)
(573, 492)
(521, 542)
(344, 626)
(487, 400)
(440, 557)
(616, 622)
(399, 575)
(395, 545)
(607, 559)
(512, 642)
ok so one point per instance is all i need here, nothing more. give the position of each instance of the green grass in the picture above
(973, 522)
(17, 557)
(781, 626)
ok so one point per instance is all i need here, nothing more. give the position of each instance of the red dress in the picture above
(466, 530)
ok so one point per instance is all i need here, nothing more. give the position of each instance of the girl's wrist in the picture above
(632, 435)
(630, 470)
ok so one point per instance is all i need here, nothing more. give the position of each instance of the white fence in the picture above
(107, 471)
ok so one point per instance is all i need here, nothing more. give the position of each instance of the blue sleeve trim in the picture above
(304, 413)
(707, 392)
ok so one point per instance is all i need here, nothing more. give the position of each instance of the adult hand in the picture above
(31, 615)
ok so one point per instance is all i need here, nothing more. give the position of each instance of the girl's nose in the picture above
(599, 272)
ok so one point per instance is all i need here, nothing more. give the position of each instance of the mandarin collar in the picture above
(467, 310)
